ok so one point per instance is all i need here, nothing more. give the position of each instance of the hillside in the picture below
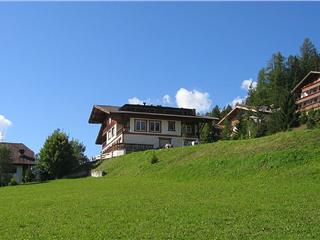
(265, 188)
(296, 152)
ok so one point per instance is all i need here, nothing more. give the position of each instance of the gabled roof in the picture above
(262, 109)
(20, 153)
(100, 112)
(310, 77)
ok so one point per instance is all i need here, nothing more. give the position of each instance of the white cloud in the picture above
(237, 100)
(135, 100)
(166, 99)
(246, 84)
(193, 99)
(4, 124)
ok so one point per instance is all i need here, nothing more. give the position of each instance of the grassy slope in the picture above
(265, 188)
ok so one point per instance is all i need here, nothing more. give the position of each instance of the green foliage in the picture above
(5, 164)
(226, 130)
(276, 81)
(154, 158)
(59, 156)
(225, 111)
(13, 182)
(313, 119)
(29, 176)
(303, 118)
(215, 112)
(78, 150)
(206, 133)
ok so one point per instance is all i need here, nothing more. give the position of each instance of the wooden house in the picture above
(307, 92)
(135, 127)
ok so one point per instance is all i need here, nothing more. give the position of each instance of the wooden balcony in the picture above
(306, 98)
(309, 107)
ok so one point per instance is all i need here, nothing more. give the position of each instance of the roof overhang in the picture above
(164, 116)
(99, 113)
(310, 77)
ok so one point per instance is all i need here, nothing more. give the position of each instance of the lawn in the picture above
(265, 188)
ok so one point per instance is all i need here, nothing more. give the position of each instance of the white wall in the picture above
(154, 140)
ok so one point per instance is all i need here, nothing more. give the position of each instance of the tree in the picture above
(309, 57)
(5, 163)
(215, 112)
(56, 157)
(227, 130)
(206, 133)
(225, 111)
(78, 151)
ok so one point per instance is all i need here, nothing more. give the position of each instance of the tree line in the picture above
(59, 157)
(275, 81)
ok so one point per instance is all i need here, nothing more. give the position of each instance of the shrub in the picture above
(313, 119)
(154, 159)
(303, 118)
(29, 176)
(13, 182)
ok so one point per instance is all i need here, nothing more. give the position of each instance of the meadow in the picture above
(265, 188)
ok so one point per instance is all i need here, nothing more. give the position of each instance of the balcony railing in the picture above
(308, 97)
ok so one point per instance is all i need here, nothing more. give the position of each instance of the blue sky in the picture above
(58, 59)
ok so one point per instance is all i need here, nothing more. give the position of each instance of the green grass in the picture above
(267, 188)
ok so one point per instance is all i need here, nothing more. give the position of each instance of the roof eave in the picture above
(302, 81)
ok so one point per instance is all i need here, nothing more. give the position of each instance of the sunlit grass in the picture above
(265, 188)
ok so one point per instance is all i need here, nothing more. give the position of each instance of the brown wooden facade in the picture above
(307, 92)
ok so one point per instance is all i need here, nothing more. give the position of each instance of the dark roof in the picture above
(20, 153)
(310, 77)
(100, 113)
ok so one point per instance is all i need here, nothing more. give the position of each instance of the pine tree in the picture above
(206, 133)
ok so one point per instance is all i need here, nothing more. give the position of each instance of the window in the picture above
(111, 133)
(171, 126)
(140, 125)
(189, 129)
(155, 126)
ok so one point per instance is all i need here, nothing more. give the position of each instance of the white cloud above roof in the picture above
(4, 124)
(246, 84)
(193, 99)
(135, 100)
(166, 99)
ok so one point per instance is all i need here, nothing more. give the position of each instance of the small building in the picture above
(22, 158)
(307, 92)
(134, 127)
(256, 114)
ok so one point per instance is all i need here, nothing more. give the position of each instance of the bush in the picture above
(29, 176)
(13, 182)
(154, 159)
(303, 118)
(313, 119)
